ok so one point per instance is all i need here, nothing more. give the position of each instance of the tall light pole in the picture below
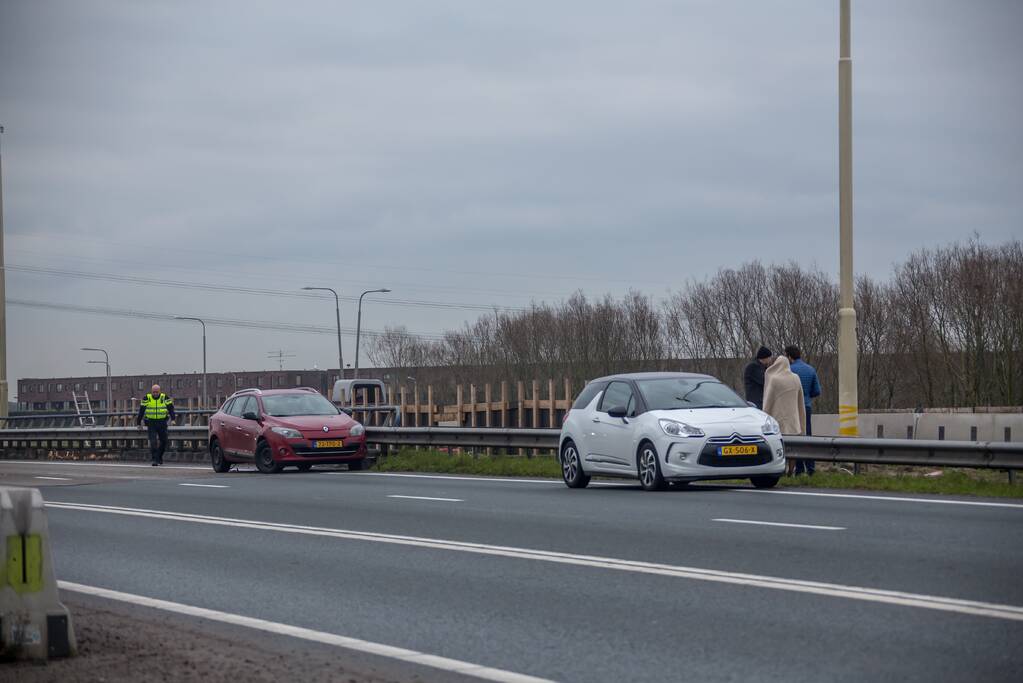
(337, 310)
(848, 401)
(106, 361)
(358, 325)
(203, 323)
(3, 296)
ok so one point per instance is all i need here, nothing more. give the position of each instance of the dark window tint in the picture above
(588, 394)
(618, 394)
(240, 406)
(299, 403)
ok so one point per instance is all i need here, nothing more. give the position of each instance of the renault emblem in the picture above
(326, 428)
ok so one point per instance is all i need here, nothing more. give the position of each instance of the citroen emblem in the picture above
(326, 428)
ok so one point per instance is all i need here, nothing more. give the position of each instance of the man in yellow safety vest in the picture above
(156, 409)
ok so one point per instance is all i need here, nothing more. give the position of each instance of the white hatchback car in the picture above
(662, 427)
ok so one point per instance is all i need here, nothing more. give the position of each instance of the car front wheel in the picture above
(650, 477)
(765, 482)
(571, 467)
(265, 459)
(217, 459)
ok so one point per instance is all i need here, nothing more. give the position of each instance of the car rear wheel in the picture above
(650, 477)
(265, 459)
(571, 467)
(765, 482)
(356, 465)
(217, 459)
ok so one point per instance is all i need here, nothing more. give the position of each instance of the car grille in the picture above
(735, 439)
(709, 455)
(309, 452)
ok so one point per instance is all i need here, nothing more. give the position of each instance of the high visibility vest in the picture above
(156, 408)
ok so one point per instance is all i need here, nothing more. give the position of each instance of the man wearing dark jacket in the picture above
(753, 377)
(157, 408)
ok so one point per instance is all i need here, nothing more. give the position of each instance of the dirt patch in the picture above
(118, 644)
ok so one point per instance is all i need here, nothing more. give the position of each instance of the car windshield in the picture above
(288, 405)
(678, 393)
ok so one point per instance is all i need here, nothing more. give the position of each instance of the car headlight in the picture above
(357, 430)
(771, 426)
(286, 433)
(673, 428)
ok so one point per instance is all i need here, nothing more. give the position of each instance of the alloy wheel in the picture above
(570, 463)
(648, 467)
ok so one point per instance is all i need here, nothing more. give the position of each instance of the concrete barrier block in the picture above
(33, 622)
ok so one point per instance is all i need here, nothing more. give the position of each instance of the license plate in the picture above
(738, 450)
(330, 443)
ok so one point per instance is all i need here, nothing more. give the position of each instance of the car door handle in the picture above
(596, 419)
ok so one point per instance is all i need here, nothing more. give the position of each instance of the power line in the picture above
(219, 322)
(132, 279)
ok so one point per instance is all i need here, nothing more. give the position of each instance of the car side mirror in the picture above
(250, 416)
(348, 411)
(617, 411)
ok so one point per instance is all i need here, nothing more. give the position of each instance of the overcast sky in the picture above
(475, 152)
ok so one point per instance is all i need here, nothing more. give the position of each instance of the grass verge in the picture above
(958, 482)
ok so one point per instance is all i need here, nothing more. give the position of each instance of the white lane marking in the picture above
(54, 478)
(446, 500)
(99, 464)
(795, 526)
(479, 478)
(896, 499)
(379, 649)
(453, 478)
(207, 486)
(984, 609)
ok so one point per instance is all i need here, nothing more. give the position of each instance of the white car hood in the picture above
(717, 420)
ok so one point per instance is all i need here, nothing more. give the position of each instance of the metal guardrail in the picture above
(63, 420)
(189, 416)
(983, 454)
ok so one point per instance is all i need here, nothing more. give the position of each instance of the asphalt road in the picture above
(605, 584)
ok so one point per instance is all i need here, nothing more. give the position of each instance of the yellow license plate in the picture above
(330, 443)
(738, 450)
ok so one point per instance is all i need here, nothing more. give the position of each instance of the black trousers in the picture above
(807, 466)
(157, 438)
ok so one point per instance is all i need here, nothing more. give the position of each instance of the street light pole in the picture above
(358, 325)
(205, 403)
(337, 311)
(848, 401)
(106, 356)
(3, 297)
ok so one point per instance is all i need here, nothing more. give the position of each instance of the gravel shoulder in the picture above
(120, 643)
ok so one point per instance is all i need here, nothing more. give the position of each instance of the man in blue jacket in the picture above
(811, 389)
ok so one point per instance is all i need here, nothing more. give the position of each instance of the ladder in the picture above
(83, 408)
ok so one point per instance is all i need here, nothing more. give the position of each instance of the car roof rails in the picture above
(250, 390)
(315, 391)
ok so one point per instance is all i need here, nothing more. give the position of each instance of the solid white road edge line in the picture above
(379, 649)
(896, 499)
(446, 500)
(795, 526)
(79, 463)
(971, 607)
(54, 478)
(207, 486)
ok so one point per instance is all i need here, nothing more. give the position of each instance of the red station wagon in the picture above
(278, 428)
